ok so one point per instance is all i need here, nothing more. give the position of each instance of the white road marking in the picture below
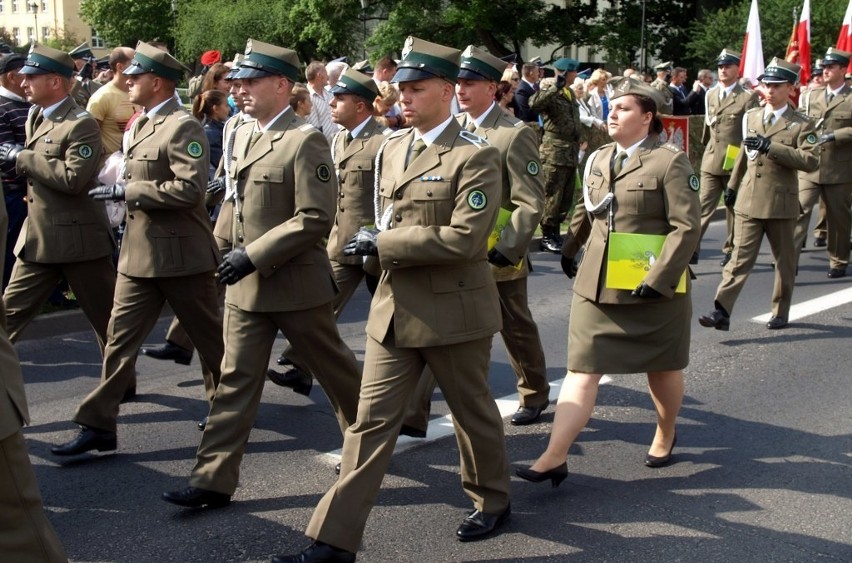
(814, 306)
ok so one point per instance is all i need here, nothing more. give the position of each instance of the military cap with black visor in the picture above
(836, 57)
(82, 51)
(149, 59)
(727, 57)
(262, 60)
(422, 60)
(477, 64)
(356, 83)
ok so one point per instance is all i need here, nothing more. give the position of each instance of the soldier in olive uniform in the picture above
(168, 253)
(723, 127)
(25, 532)
(65, 233)
(559, 150)
(830, 107)
(663, 71)
(354, 151)
(278, 273)
(436, 305)
(83, 85)
(764, 191)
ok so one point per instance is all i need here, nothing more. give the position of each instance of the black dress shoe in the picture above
(776, 323)
(294, 378)
(193, 497)
(406, 430)
(654, 461)
(283, 361)
(819, 242)
(316, 553)
(129, 395)
(202, 424)
(478, 524)
(527, 415)
(556, 475)
(837, 273)
(169, 351)
(550, 243)
(725, 259)
(337, 469)
(716, 319)
(88, 439)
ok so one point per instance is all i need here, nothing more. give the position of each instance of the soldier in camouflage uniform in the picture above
(560, 113)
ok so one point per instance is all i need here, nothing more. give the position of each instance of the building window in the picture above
(16, 36)
(30, 4)
(14, 6)
(2, 6)
(43, 5)
(45, 33)
(30, 32)
(97, 42)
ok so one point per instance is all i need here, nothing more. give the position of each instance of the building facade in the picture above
(25, 21)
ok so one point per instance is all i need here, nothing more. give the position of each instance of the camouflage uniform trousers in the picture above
(560, 177)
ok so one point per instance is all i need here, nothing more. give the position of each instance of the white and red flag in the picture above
(844, 41)
(751, 62)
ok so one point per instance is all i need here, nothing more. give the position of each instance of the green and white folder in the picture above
(630, 257)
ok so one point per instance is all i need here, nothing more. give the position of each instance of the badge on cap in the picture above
(248, 47)
(477, 200)
(409, 45)
(194, 149)
(693, 183)
(85, 151)
(323, 173)
(532, 168)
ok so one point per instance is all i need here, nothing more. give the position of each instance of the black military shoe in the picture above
(819, 242)
(202, 424)
(527, 415)
(88, 439)
(169, 351)
(725, 259)
(294, 378)
(835, 273)
(478, 524)
(776, 323)
(316, 553)
(549, 243)
(716, 319)
(193, 497)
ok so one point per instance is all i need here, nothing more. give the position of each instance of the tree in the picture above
(125, 22)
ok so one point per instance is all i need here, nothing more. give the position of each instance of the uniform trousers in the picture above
(137, 306)
(523, 346)
(249, 337)
(819, 228)
(712, 188)
(16, 208)
(559, 182)
(748, 234)
(26, 534)
(390, 377)
(92, 281)
(838, 218)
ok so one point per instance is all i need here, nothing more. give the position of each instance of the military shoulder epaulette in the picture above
(306, 127)
(473, 139)
(754, 109)
(387, 131)
(398, 133)
(802, 114)
(184, 116)
(671, 147)
(83, 113)
(518, 124)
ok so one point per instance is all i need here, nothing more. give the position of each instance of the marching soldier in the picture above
(65, 232)
(663, 71)
(830, 107)
(168, 253)
(436, 305)
(763, 190)
(83, 85)
(559, 150)
(278, 273)
(723, 127)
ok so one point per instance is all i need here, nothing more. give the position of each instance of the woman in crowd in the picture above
(386, 111)
(300, 101)
(212, 110)
(598, 94)
(634, 185)
(504, 96)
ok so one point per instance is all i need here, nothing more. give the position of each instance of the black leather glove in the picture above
(730, 198)
(757, 143)
(826, 138)
(216, 185)
(569, 266)
(560, 81)
(235, 266)
(645, 291)
(364, 243)
(496, 257)
(114, 192)
(9, 152)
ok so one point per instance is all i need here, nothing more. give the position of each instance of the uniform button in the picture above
(343, 166)
(395, 262)
(31, 200)
(131, 216)
(130, 155)
(397, 217)
(640, 184)
(73, 220)
(760, 164)
(144, 155)
(758, 174)
(429, 193)
(342, 210)
(172, 232)
(461, 284)
(129, 176)
(399, 194)
(266, 176)
(240, 239)
(342, 195)
(239, 216)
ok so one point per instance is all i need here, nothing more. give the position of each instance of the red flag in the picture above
(844, 41)
(751, 62)
(803, 36)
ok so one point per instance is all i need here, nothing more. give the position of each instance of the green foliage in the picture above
(124, 22)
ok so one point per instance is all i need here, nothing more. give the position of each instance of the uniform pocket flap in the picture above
(430, 190)
(642, 183)
(273, 174)
(461, 279)
(363, 164)
(147, 153)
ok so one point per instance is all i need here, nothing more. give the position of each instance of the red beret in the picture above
(211, 58)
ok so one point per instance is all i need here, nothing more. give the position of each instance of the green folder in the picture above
(730, 157)
(629, 258)
(504, 217)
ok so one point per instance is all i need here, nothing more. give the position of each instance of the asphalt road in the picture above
(762, 472)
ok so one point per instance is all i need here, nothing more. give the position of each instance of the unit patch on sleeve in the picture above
(194, 149)
(477, 200)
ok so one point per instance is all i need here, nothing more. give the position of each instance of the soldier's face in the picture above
(728, 74)
(37, 87)
(344, 110)
(777, 95)
(627, 123)
(262, 96)
(832, 74)
(475, 96)
(234, 91)
(425, 103)
(141, 88)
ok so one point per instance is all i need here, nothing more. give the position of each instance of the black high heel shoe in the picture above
(653, 461)
(556, 475)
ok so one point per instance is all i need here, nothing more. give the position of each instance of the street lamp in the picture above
(364, 5)
(34, 7)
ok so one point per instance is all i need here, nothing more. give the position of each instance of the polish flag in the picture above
(844, 41)
(751, 62)
(803, 36)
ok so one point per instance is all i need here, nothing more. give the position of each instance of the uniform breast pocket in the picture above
(642, 196)
(266, 185)
(148, 156)
(433, 202)
(841, 119)
(596, 187)
(48, 149)
(360, 173)
(785, 139)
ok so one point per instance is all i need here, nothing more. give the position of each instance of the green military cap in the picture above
(357, 83)
(668, 65)
(150, 59)
(422, 60)
(623, 86)
(235, 67)
(45, 60)
(779, 71)
(363, 66)
(817, 67)
(82, 51)
(476, 64)
(836, 57)
(565, 64)
(728, 57)
(262, 59)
